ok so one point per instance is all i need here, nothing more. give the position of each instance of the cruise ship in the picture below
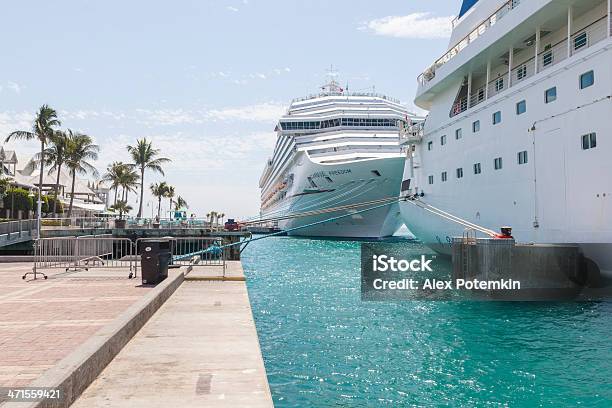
(336, 150)
(519, 131)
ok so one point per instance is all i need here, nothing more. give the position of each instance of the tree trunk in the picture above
(71, 194)
(57, 183)
(141, 191)
(116, 191)
(170, 205)
(159, 207)
(42, 170)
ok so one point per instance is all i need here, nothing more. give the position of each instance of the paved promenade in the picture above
(199, 350)
(43, 321)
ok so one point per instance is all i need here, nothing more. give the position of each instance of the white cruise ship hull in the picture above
(561, 195)
(353, 182)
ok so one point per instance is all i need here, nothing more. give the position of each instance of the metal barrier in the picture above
(196, 251)
(192, 251)
(107, 252)
(95, 251)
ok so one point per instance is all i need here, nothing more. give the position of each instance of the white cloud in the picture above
(231, 8)
(415, 25)
(11, 121)
(264, 112)
(14, 86)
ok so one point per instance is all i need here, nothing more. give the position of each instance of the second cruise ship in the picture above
(518, 131)
(336, 149)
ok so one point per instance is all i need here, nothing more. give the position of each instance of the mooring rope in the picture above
(320, 211)
(218, 249)
(453, 218)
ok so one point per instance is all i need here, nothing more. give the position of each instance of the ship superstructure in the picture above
(519, 129)
(335, 149)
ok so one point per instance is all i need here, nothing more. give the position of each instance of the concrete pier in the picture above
(200, 349)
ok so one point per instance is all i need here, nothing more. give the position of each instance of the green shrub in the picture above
(47, 205)
(20, 197)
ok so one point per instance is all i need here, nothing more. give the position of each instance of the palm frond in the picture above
(21, 135)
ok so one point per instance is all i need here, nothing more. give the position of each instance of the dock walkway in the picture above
(200, 349)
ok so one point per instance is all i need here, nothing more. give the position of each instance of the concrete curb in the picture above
(215, 279)
(78, 370)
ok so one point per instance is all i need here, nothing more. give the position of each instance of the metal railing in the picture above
(144, 223)
(77, 222)
(412, 133)
(196, 251)
(17, 228)
(147, 223)
(430, 73)
(108, 252)
(95, 251)
(549, 57)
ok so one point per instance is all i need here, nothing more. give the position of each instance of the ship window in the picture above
(429, 145)
(497, 163)
(521, 107)
(550, 95)
(499, 84)
(329, 179)
(497, 118)
(476, 126)
(521, 72)
(458, 133)
(444, 176)
(522, 157)
(589, 141)
(443, 140)
(459, 173)
(587, 79)
(376, 173)
(580, 40)
(477, 168)
(547, 58)
(431, 179)
(406, 185)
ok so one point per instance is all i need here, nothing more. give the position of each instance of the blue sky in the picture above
(205, 80)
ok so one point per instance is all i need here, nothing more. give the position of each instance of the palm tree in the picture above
(159, 190)
(181, 203)
(222, 216)
(42, 129)
(113, 175)
(129, 181)
(55, 156)
(170, 195)
(145, 157)
(122, 207)
(213, 219)
(80, 148)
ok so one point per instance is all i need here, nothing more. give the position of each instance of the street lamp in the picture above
(38, 225)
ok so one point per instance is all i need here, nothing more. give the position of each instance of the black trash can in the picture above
(155, 258)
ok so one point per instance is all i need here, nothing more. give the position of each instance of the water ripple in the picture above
(324, 347)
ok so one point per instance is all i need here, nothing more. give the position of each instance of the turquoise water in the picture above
(324, 347)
